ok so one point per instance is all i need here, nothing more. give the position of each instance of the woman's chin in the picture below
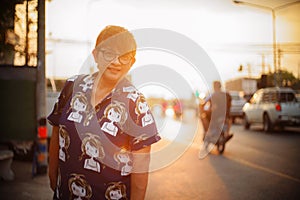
(111, 76)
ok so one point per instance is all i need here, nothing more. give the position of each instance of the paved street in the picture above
(255, 165)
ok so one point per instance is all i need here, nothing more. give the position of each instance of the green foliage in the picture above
(284, 79)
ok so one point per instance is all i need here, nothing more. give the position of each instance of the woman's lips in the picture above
(114, 69)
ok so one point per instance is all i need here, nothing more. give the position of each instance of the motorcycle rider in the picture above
(215, 108)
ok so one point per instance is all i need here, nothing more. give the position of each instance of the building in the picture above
(246, 85)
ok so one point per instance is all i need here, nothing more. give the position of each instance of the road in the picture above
(255, 165)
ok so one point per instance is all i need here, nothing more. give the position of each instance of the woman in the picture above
(114, 54)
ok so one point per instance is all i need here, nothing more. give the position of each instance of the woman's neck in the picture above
(101, 89)
(104, 84)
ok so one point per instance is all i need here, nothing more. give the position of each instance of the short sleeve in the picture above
(63, 98)
(141, 124)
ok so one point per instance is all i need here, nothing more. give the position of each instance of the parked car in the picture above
(272, 107)
(237, 103)
(298, 96)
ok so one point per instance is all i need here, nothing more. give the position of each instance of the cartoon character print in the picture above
(58, 184)
(142, 110)
(124, 157)
(64, 143)
(79, 187)
(73, 78)
(92, 151)
(79, 105)
(88, 83)
(114, 113)
(57, 109)
(133, 93)
(80, 108)
(140, 138)
(116, 191)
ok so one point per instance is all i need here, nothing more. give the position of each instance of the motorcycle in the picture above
(214, 134)
(214, 137)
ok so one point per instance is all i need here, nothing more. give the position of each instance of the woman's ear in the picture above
(94, 52)
(132, 61)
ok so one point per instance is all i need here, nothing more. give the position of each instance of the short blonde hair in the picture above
(112, 31)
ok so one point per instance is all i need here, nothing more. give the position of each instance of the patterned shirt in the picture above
(95, 143)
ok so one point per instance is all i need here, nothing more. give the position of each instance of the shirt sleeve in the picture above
(63, 98)
(140, 125)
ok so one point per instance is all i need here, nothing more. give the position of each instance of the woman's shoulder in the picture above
(126, 86)
(78, 77)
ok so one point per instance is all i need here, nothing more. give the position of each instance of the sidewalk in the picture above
(24, 186)
(160, 186)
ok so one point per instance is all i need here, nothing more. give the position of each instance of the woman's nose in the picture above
(116, 61)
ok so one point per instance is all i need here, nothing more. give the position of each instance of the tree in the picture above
(284, 79)
(6, 24)
(18, 32)
(287, 78)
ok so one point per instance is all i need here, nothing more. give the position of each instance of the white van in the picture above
(272, 107)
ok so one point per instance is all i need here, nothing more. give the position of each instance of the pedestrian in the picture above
(100, 145)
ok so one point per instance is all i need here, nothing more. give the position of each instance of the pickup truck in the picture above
(272, 107)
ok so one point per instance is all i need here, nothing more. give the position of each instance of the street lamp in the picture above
(273, 10)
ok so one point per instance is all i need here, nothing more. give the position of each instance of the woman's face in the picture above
(114, 59)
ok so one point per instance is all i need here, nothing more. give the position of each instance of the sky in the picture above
(230, 35)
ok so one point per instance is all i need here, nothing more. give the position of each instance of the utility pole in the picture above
(263, 64)
(298, 70)
(40, 79)
(275, 48)
(41, 155)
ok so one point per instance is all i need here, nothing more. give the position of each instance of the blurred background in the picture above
(252, 44)
(247, 45)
